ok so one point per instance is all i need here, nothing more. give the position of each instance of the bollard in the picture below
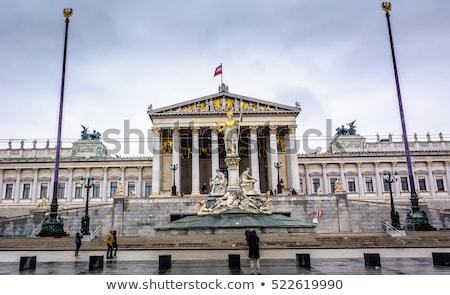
(234, 261)
(441, 258)
(372, 260)
(95, 263)
(303, 260)
(27, 262)
(165, 262)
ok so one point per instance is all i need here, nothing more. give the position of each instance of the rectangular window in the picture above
(44, 190)
(9, 191)
(439, 184)
(351, 185)
(79, 191)
(131, 188)
(96, 190)
(422, 184)
(61, 190)
(148, 188)
(316, 184)
(26, 191)
(385, 186)
(113, 189)
(369, 185)
(332, 184)
(404, 183)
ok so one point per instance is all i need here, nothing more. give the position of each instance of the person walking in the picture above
(253, 252)
(115, 247)
(109, 243)
(78, 237)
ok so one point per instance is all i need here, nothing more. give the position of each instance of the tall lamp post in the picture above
(390, 178)
(54, 226)
(278, 165)
(415, 218)
(174, 167)
(87, 183)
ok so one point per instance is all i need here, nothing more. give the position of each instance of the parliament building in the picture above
(188, 149)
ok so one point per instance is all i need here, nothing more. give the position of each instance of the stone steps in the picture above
(434, 239)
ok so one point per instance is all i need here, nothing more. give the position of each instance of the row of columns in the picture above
(69, 190)
(291, 158)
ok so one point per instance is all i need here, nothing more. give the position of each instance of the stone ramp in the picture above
(434, 239)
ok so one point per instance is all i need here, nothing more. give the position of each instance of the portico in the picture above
(188, 134)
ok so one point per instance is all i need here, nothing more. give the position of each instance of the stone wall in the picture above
(135, 217)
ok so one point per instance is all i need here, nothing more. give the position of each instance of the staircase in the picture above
(427, 239)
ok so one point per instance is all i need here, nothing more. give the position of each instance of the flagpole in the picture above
(221, 75)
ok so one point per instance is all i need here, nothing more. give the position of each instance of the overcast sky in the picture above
(333, 57)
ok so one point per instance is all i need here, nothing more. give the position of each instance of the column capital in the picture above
(394, 164)
(140, 168)
(175, 131)
(359, 165)
(341, 165)
(292, 128)
(324, 165)
(273, 129)
(429, 163)
(195, 130)
(105, 169)
(376, 164)
(156, 131)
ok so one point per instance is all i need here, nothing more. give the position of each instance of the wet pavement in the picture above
(282, 262)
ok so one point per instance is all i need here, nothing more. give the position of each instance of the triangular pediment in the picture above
(221, 103)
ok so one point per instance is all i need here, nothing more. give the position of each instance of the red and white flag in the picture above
(218, 70)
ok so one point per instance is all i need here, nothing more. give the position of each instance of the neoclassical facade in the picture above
(187, 136)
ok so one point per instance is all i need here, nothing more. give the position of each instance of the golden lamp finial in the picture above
(386, 6)
(67, 12)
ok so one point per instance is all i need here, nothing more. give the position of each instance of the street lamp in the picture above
(54, 225)
(278, 165)
(389, 178)
(88, 183)
(174, 167)
(415, 218)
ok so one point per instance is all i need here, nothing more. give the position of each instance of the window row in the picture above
(79, 191)
(369, 184)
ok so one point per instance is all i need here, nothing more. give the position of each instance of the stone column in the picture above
(273, 157)
(195, 162)
(378, 182)
(431, 178)
(34, 190)
(360, 180)
(176, 155)
(122, 181)
(156, 168)
(446, 167)
(342, 175)
(254, 159)
(325, 179)
(139, 183)
(69, 186)
(308, 183)
(291, 151)
(395, 184)
(214, 151)
(105, 184)
(17, 186)
(1, 185)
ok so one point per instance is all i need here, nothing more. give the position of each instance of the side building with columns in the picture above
(188, 136)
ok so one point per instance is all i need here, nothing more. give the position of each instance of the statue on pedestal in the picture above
(338, 186)
(218, 184)
(248, 182)
(230, 134)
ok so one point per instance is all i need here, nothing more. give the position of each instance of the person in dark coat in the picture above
(253, 252)
(115, 247)
(78, 237)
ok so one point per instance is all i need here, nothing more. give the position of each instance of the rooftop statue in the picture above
(85, 135)
(351, 130)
